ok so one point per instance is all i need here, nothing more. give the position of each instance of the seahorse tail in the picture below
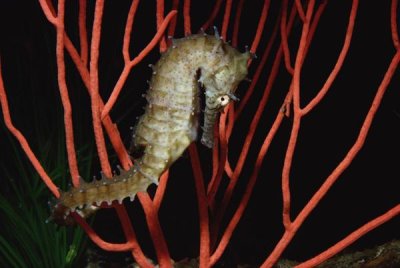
(85, 198)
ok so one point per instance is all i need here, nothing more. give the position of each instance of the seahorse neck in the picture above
(185, 57)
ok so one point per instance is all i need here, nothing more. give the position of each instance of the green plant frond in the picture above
(35, 243)
(10, 256)
(26, 240)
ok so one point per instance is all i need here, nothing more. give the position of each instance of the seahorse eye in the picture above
(223, 100)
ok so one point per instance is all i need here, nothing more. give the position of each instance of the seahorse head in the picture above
(226, 68)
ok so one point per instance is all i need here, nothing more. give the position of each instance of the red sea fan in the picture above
(277, 111)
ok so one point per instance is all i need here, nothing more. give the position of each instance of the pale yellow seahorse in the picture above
(171, 118)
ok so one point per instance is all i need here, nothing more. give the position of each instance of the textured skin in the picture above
(170, 122)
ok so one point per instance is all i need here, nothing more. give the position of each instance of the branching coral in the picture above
(216, 222)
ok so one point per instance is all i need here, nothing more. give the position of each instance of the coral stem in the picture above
(23, 142)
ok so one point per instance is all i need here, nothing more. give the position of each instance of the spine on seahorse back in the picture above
(170, 122)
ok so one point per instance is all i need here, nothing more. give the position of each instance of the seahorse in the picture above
(170, 122)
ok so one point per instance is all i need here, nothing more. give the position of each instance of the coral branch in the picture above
(341, 167)
(76, 58)
(94, 89)
(284, 37)
(22, 140)
(314, 24)
(297, 117)
(48, 11)
(160, 19)
(213, 15)
(216, 225)
(225, 21)
(155, 39)
(130, 235)
(236, 24)
(300, 10)
(98, 241)
(261, 65)
(247, 194)
(221, 159)
(172, 24)
(246, 146)
(128, 30)
(252, 129)
(124, 75)
(69, 132)
(155, 230)
(393, 23)
(260, 27)
(109, 126)
(186, 18)
(351, 238)
(339, 62)
(116, 141)
(162, 186)
(82, 32)
(215, 165)
(204, 255)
